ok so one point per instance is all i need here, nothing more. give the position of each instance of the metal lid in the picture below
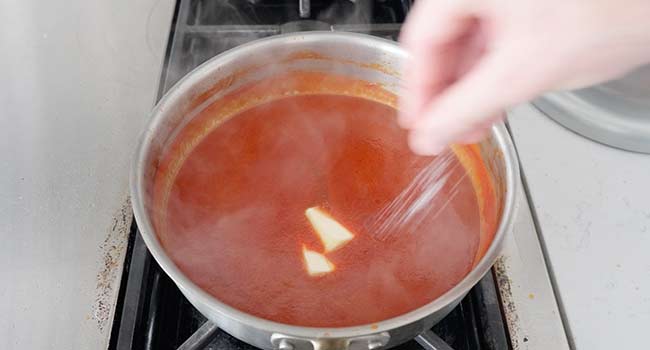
(616, 113)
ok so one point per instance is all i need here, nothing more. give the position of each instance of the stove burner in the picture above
(151, 311)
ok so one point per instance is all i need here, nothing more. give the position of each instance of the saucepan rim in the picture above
(179, 90)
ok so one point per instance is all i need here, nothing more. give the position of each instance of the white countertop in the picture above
(592, 205)
(77, 80)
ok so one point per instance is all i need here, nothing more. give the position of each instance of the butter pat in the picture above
(316, 263)
(331, 232)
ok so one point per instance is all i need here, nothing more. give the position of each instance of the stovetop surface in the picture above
(151, 311)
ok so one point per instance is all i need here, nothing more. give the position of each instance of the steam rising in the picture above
(236, 213)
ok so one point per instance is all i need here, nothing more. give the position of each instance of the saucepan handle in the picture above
(366, 342)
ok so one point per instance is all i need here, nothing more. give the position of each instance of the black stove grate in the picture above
(151, 312)
(205, 28)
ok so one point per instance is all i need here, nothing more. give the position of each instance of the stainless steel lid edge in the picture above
(618, 128)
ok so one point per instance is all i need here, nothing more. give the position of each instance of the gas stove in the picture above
(500, 312)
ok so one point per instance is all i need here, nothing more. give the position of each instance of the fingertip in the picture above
(404, 120)
(473, 136)
(406, 113)
(409, 105)
(479, 132)
(425, 145)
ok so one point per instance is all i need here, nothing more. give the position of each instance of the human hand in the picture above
(471, 59)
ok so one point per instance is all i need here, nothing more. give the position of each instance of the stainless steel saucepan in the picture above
(364, 57)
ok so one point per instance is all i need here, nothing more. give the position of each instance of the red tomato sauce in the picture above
(236, 226)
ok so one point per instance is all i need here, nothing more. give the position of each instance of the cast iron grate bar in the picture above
(430, 341)
(201, 338)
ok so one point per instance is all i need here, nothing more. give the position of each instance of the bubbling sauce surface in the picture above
(236, 226)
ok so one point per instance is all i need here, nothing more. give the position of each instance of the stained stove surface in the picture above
(151, 312)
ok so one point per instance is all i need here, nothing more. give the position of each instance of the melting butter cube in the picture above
(331, 232)
(316, 263)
